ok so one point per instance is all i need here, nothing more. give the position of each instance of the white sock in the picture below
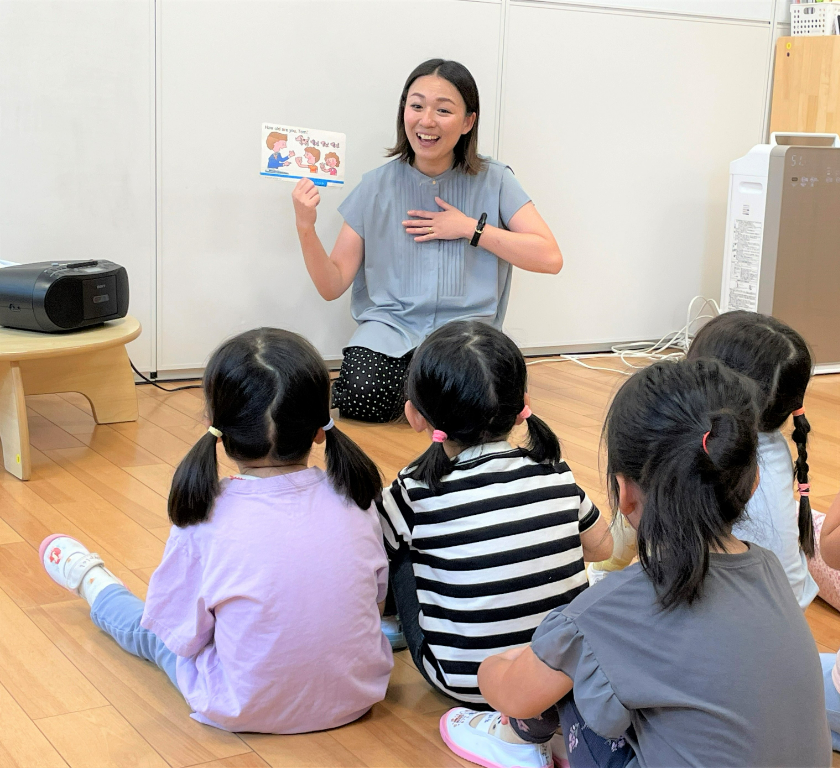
(95, 580)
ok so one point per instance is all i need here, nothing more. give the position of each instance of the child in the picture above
(696, 655)
(235, 613)
(830, 551)
(484, 539)
(776, 358)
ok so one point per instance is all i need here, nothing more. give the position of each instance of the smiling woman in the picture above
(428, 238)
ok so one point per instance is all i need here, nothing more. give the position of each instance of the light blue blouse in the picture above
(404, 290)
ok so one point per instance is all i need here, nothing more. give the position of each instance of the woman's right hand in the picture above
(305, 197)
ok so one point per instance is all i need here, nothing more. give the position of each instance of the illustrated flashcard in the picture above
(303, 153)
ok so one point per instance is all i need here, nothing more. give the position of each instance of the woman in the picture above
(415, 243)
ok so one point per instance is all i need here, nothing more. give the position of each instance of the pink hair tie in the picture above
(525, 413)
(438, 436)
(799, 412)
(804, 489)
(705, 449)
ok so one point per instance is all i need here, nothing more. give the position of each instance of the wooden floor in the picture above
(70, 696)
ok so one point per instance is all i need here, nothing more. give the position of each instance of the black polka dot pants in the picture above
(370, 385)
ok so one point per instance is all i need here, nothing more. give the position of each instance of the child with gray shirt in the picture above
(697, 655)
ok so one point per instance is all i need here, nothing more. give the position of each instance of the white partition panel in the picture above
(229, 257)
(77, 140)
(622, 126)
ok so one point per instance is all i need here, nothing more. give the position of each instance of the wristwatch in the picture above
(479, 228)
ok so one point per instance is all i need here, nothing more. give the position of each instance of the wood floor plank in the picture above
(306, 750)
(7, 534)
(137, 689)
(157, 477)
(23, 578)
(115, 485)
(63, 413)
(101, 738)
(250, 760)
(22, 745)
(37, 675)
(44, 435)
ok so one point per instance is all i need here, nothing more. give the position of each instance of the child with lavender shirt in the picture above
(235, 611)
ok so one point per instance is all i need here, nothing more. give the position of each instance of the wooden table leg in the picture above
(14, 427)
(102, 376)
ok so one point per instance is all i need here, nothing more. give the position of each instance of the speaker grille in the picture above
(64, 303)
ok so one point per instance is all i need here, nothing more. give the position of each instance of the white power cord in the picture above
(678, 342)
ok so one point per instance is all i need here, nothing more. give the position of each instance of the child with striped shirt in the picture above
(484, 539)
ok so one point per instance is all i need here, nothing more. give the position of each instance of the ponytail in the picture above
(801, 428)
(543, 445)
(195, 484)
(431, 467)
(350, 469)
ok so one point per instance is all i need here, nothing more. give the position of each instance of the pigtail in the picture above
(195, 484)
(350, 469)
(431, 467)
(543, 445)
(801, 428)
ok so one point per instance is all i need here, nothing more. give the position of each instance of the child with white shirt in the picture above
(235, 613)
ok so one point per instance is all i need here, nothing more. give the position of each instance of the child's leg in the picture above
(585, 748)
(832, 697)
(117, 612)
(404, 588)
(537, 730)
(624, 550)
(113, 608)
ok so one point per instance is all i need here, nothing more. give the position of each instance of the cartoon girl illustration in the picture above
(331, 164)
(310, 159)
(276, 142)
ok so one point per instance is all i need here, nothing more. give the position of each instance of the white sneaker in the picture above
(595, 574)
(68, 561)
(478, 744)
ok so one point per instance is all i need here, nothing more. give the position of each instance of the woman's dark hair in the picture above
(778, 360)
(468, 380)
(466, 150)
(267, 391)
(693, 489)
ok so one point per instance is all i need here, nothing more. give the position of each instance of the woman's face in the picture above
(435, 118)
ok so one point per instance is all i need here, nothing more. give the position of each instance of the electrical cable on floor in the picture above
(155, 384)
(678, 341)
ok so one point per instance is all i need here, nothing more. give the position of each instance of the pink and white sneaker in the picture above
(68, 561)
(478, 744)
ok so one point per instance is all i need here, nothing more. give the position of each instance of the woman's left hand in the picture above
(448, 224)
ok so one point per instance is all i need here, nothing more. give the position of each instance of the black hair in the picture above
(468, 380)
(778, 360)
(693, 489)
(267, 391)
(466, 150)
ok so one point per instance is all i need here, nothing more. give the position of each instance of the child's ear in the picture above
(415, 418)
(320, 436)
(630, 500)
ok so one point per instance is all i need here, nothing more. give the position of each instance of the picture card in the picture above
(303, 153)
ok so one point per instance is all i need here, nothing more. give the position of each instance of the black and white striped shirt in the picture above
(493, 553)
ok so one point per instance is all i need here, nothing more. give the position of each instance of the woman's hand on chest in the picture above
(448, 224)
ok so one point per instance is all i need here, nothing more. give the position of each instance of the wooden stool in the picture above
(92, 361)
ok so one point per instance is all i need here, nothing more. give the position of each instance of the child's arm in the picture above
(519, 685)
(597, 541)
(830, 536)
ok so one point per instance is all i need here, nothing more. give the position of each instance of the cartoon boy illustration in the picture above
(310, 159)
(331, 164)
(276, 142)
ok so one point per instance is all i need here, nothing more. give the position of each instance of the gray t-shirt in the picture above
(733, 680)
(404, 290)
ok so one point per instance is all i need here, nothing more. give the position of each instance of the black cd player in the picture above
(56, 296)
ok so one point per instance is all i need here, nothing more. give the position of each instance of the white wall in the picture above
(128, 130)
(77, 140)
